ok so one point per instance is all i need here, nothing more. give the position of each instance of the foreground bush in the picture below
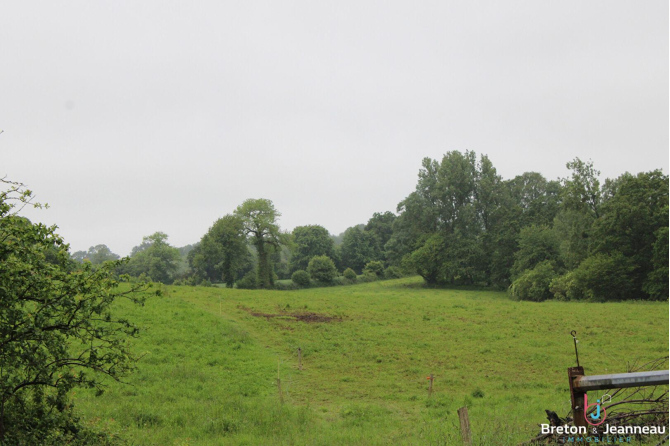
(301, 278)
(534, 283)
(248, 282)
(322, 269)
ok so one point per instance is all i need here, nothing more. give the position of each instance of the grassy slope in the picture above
(209, 374)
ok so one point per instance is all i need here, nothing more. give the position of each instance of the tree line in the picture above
(570, 238)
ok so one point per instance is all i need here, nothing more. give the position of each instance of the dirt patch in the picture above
(308, 317)
(315, 317)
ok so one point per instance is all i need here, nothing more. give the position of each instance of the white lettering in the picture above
(560, 430)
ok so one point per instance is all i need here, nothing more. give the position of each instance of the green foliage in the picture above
(96, 255)
(393, 272)
(322, 269)
(581, 192)
(428, 260)
(566, 287)
(374, 267)
(349, 274)
(449, 218)
(154, 258)
(259, 220)
(573, 231)
(222, 251)
(248, 281)
(534, 283)
(301, 278)
(631, 223)
(604, 277)
(656, 284)
(310, 241)
(358, 248)
(380, 227)
(537, 199)
(536, 244)
(57, 330)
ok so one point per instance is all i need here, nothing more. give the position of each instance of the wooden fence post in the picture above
(466, 435)
(281, 397)
(299, 358)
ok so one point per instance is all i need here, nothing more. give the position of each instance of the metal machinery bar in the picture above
(621, 380)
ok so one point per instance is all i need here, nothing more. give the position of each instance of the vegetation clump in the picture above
(57, 329)
(350, 275)
(301, 278)
(322, 269)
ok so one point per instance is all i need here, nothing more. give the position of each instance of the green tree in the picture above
(222, 251)
(656, 284)
(428, 261)
(581, 192)
(96, 255)
(322, 269)
(357, 249)
(310, 241)
(259, 219)
(57, 330)
(154, 258)
(536, 244)
(380, 226)
(631, 222)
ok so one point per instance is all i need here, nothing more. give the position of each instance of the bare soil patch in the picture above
(309, 317)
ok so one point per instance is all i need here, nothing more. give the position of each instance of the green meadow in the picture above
(211, 358)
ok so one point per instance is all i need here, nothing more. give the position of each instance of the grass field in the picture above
(212, 357)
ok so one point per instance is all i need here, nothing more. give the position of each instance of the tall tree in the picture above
(380, 226)
(632, 222)
(357, 249)
(259, 220)
(310, 241)
(222, 251)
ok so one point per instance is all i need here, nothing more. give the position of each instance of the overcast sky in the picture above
(135, 117)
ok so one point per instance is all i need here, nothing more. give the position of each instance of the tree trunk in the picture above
(264, 274)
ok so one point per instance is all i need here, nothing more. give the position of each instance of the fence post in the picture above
(466, 435)
(576, 397)
(281, 397)
(299, 358)
(430, 384)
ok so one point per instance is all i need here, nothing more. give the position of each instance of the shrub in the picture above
(349, 274)
(248, 282)
(369, 276)
(322, 269)
(393, 272)
(375, 267)
(286, 286)
(300, 278)
(606, 277)
(533, 284)
(565, 287)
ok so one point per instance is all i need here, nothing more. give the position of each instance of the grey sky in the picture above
(135, 117)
